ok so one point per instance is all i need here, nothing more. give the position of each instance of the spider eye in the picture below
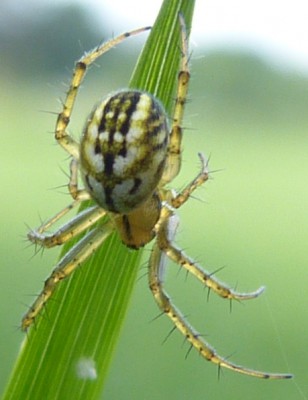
(123, 150)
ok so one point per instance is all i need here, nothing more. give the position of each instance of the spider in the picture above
(126, 156)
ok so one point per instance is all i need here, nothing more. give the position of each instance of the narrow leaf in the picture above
(67, 354)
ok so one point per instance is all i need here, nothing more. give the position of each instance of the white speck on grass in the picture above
(86, 369)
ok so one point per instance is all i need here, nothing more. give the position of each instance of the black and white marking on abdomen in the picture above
(123, 150)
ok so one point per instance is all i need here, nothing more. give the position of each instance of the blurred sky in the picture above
(273, 28)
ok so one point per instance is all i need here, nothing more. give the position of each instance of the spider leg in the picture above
(178, 256)
(156, 267)
(78, 195)
(173, 162)
(202, 177)
(51, 221)
(65, 267)
(76, 225)
(75, 192)
(63, 138)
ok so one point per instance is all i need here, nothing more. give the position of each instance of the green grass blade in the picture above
(67, 354)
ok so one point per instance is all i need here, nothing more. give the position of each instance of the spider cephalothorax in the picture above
(126, 157)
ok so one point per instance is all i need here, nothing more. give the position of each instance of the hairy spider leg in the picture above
(66, 266)
(82, 221)
(163, 247)
(78, 253)
(63, 138)
(180, 258)
(74, 190)
(164, 302)
(76, 225)
(173, 162)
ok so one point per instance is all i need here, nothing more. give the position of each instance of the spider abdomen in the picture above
(123, 150)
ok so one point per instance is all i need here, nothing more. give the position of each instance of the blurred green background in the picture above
(252, 119)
